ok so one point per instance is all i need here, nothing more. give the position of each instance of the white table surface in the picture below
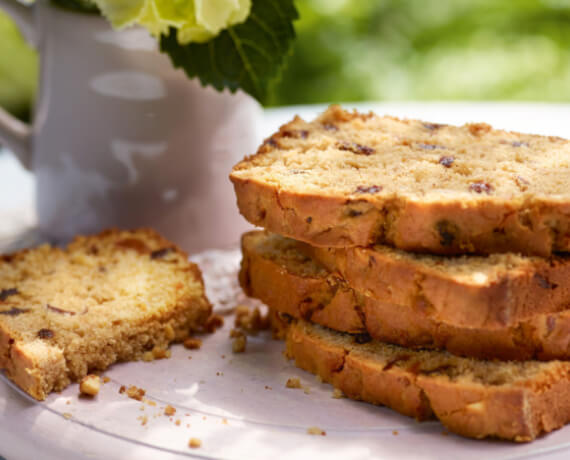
(256, 429)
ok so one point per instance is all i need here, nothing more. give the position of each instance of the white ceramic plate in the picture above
(237, 404)
(233, 413)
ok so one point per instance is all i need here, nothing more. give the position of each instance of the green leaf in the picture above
(249, 55)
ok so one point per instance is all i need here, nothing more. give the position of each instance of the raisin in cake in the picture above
(116, 296)
(350, 179)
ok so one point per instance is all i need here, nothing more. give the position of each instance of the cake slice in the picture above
(116, 296)
(474, 291)
(281, 273)
(350, 179)
(478, 399)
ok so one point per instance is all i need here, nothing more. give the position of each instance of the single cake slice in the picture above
(477, 399)
(474, 291)
(116, 296)
(281, 274)
(349, 179)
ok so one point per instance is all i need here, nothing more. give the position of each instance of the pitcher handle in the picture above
(15, 134)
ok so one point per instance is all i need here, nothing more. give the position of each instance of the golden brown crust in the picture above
(110, 297)
(326, 299)
(436, 228)
(518, 409)
(517, 288)
(529, 223)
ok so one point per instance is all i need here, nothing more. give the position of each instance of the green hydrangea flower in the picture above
(195, 21)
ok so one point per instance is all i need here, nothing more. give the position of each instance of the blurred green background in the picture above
(352, 50)
(18, 70)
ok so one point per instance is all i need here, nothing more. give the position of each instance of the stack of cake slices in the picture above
(417, 265)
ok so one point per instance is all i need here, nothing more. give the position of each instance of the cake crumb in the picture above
(337, 393)
(178, 422)
(68, 402)
(169, 332)
(122, 389)
(90, 385)
(134, 393)
(195, 443)
(156, 353)
(293, 383)
(267, 387)
(313, 430)
(150, 403)
(169, 410)
(192, 343)
(241, 310)
(161, 353)
(239, 344)
(143, 419)
(395, 432)
(306, 390)
(213, 323)
(250, 321)
(224, 421)
(67, 415)
(235, 333)
(106, 379)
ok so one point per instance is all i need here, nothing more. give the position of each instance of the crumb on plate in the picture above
(293, 382)
(195, 443)
(90, 385)
(192, 343)
(316, 431)
(239, 344)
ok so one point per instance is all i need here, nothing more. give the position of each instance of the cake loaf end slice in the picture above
(116, 296)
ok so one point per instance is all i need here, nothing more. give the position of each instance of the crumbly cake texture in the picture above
(105, 298)
(515, 401)
(277, 271)
(350, 179)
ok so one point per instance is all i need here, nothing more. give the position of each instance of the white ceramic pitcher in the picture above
(121, 138)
